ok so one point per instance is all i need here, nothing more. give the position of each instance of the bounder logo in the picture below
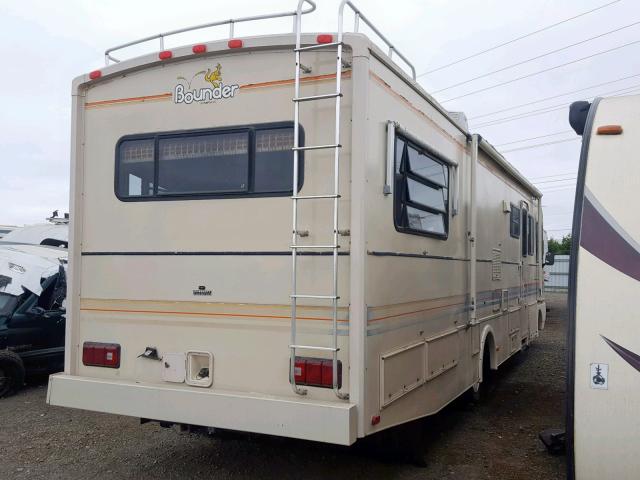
(185, 93)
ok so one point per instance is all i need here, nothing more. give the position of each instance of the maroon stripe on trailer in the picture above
(628, 356)
(602, 240)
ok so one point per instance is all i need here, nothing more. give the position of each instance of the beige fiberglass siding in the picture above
(606, 421)
(248, 311)
(423, 294)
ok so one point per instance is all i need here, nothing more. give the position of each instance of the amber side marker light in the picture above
(609, 130)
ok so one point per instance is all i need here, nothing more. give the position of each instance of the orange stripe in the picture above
(160, 96)
(205, 314)
(248, 86)
(290, 81)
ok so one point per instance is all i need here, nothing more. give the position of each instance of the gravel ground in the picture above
(496, 439)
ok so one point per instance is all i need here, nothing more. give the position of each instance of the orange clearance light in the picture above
(609, 130)
(95, 74)
(324, 38)
(235, 43)
(200, 48)
(165, 55)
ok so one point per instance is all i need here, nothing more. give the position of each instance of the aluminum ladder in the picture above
(335, 196)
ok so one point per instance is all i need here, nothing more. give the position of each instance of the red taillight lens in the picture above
(95, 74)
(324, 38)
(165, 55)
(96, 354)
(235, 43)
(200, 48)
(316, 372)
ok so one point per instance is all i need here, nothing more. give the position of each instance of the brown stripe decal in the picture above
(205, 314)
(247, 86)
(628, 356)
(602, 240)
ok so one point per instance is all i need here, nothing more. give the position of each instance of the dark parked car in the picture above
(32, 333)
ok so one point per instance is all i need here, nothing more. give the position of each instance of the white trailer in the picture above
(603, 342)
(323, 269)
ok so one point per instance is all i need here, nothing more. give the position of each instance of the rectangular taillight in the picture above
(316, 372)
(97, 354)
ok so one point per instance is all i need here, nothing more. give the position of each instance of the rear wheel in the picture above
(488, 376)
(11, 373)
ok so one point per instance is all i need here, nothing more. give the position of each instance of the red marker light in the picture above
(235, 43)
(324, 38)
(165, 55)
(200, 48)
(95, 74)
(97, 354)
(375, 420)
(316, 372)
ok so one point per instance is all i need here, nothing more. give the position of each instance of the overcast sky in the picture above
(44, 44)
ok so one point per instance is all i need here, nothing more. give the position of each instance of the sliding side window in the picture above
(421, 199)
(245, 161)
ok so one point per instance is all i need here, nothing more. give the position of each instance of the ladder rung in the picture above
(317, 97)
(317, 47)
(316, 147)
(311, 197)
(321, 297)
(314, 246)
(311, 347)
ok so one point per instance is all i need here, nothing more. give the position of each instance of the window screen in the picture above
(254, 160)
(421, 202)
(514, 223)
(136, 168)
(274, 160)
(216, 163)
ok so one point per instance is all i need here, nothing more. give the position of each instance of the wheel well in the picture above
(540, 320)
(490, 347)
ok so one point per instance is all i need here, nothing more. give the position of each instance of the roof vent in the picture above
(461, 119)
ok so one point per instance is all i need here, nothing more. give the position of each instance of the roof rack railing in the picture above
(359, 16)
(231, 22)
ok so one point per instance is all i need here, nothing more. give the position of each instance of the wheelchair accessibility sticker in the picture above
(600, 376)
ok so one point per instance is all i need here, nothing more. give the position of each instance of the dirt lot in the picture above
(496, 439)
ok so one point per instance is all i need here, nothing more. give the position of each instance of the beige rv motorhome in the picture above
(308, 244)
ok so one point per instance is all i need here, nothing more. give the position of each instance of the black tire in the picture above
(488, 378)
(11, 373)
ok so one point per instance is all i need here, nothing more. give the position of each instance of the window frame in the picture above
(402, 192)
(251, 129)
(524, 232)
(530, 239)
(519, 217)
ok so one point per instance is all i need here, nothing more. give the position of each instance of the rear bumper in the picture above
(319, 421)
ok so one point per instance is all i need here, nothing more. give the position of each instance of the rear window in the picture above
(246, 161)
